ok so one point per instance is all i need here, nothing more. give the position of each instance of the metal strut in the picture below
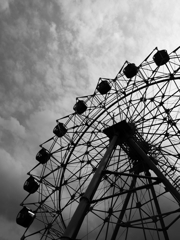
(78, 217)
(165, 233)
(152, 166)
(116, 230)
(126, 135)
(117, 133)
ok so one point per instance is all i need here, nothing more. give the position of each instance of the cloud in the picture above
(40, 126)
(9, 230)
(11, 182)
(4, 5)
(13, 126)
(119, 31)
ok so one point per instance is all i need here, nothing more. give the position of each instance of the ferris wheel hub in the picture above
(126, 131)
(122, 129)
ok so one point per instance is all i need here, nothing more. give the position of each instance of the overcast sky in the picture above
(52, 51)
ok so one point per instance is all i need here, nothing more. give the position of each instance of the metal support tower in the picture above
(118, 134)
(78, 217)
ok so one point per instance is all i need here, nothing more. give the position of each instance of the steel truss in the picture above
(141, 175)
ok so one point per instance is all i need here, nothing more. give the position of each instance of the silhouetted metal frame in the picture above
(113, 101)
(78, 217)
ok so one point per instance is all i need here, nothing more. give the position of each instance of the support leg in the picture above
(166, 237)
(133, 183)
(78, 217)
(152, 166)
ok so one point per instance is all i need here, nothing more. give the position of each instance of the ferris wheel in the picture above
(112, 168)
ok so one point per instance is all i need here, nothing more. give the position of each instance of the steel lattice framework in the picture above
(149, 102)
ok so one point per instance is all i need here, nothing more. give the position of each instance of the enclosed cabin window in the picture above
(161, 57)
(25, 217)
(130, 70)
(43, 156)
(31, 185)
(80, 107)
(59, 130)
(104, 87)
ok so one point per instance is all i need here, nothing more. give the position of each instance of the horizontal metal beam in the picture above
(130, 175)
(124, 192)
(132, 144)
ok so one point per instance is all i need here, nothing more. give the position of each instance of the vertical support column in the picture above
(78, 217)
(116, 230)
(166, 237)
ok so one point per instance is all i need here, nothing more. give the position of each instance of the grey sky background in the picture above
(52, 51)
